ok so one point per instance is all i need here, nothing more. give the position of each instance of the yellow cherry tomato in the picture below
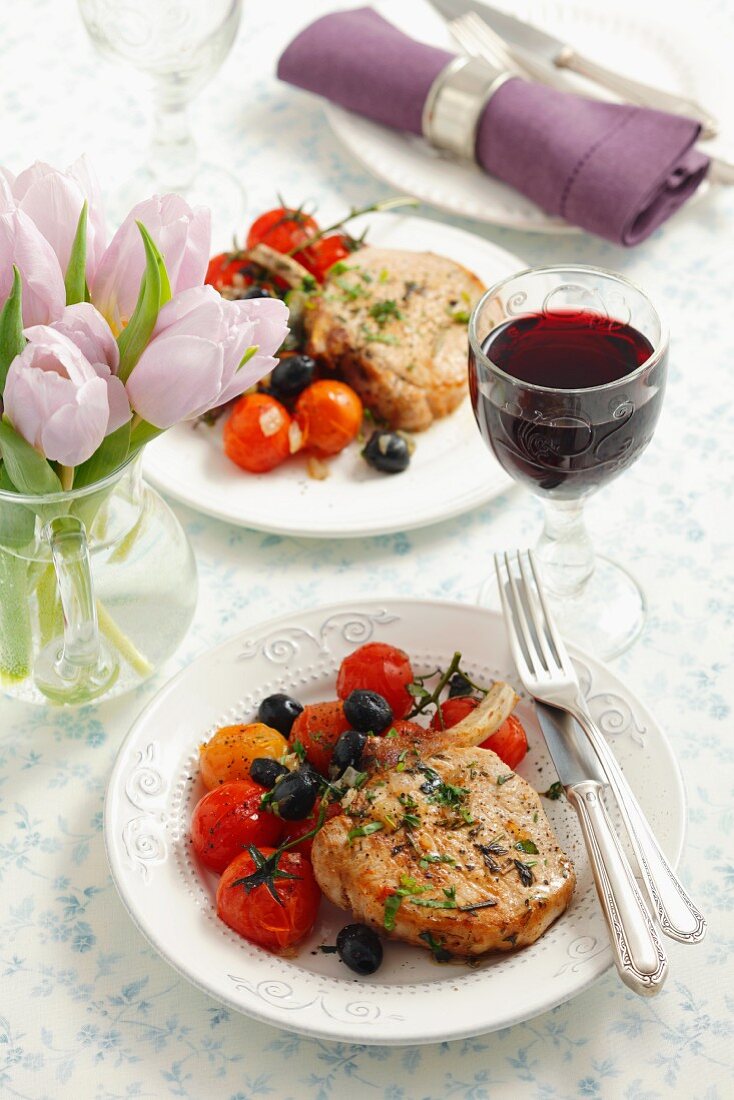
(230, 752)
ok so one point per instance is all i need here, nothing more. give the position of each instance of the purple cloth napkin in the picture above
(612, 169)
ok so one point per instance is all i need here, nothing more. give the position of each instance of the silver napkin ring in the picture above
(455, 103)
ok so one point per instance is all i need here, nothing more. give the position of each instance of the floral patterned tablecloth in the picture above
(87, 1009)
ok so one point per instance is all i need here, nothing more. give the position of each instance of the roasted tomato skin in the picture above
(257, 433)
(283, 229)
(329, 414)
(258, 916)
(453, 711)
(230, 752)
(318, 257)
(510, 742)
(229, 818)
(381, 668)
(317, 728)
(295, 829)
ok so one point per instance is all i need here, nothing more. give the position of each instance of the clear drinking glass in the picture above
(567, 370)
(97, 589)
(179, 44)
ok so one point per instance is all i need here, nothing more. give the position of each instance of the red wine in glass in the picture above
(556, 411)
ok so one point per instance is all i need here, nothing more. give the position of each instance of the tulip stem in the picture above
(137, 419)
(66, 476)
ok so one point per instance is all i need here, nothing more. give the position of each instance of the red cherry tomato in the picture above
(282, 229)
(381, 668)
(329, 414)
(323, 254)
(453, 711)
(258, 916)
(295, 829)
(227, 819)
(510, 742)
(224, 270)
(257, 434)
(318, 727)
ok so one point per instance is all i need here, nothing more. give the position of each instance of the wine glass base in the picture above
(604, 620)
(210, 186)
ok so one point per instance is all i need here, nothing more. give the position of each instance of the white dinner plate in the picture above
(451, 471)
(154, 787)
(657, 52)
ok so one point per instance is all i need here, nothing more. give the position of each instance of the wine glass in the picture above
(567, 370)
(179, 44)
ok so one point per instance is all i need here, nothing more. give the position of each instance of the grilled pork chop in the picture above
(447, 848)
(393, 324)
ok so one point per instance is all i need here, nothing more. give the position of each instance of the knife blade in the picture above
(570, 750)
(534, 49)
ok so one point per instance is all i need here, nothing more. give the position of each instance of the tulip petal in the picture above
(176, 378)
(22, 244)
(74, 431)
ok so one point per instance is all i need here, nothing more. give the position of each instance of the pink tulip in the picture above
(56, 400)
(192, 362)
(183, 236)
(82, 327)
(22, 244)
(53, 201)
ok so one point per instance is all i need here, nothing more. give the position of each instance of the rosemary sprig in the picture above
(374, 207)
(267, 870)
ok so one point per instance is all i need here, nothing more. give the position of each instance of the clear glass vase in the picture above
(97, 588)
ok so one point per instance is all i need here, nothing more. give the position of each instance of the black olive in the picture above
(459, 685)
(359, 948)
(367, 711)
(292, 375)
(295, 794)
(279, 712)
(267, 772)
(347, 752)
(254, 292)
(387, 452)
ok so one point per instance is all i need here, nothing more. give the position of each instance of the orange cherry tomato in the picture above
(381, 668)
(230, 752)
(318, 727)
(329, 414)
(229, 818)
(275, 925)
(453, 711)
(283, 229)
(510, 742)
(257, 434)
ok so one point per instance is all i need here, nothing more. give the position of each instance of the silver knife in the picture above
(638, 952)
(533, 47)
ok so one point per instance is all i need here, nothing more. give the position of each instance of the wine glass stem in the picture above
(564, 548)
(173, 154)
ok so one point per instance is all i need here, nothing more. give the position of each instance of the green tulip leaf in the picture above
(75, 279)
(142, 433)
(12, 340)
(26, 467)
(155, 291)
(109, 456)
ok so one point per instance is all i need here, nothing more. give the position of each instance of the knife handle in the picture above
(679, 916)
(637, 92)
(638, 953)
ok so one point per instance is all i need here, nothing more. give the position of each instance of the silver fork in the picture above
(548, 674)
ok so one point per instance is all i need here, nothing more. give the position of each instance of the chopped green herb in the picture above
(308, 284)
(434, 858)
(408, 886)
(435, 903)
(411, 821)
(460, 317)
(523, 869)
(365, 830)
(351, 291)
(383, 276)
(385, 311)
(406, 800)
(373, 337)
(444, 794)
(450, 892)
(502, 779)
(535, 816)
(392, 732)
(527, 846)
(339, 268)
(554, 792)
(299, 750)
(439, 952)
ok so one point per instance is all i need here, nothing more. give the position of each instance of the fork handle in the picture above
(638, 953)
(636, 92)
(678, 915)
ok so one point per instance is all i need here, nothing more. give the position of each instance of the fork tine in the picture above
(519, 654)
(489, 42)
(557, 641)
(549, 656)
(522, 624)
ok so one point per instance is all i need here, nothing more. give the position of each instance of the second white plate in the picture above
(451, 471)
